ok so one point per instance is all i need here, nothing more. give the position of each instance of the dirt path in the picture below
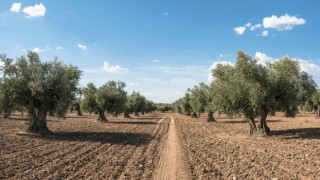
(171, 164)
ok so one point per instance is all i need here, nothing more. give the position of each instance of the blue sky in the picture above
(160, 48)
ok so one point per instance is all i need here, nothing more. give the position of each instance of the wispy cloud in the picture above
(59, 48)
(240, 30)
(35, 11)
(133, 84)
(37, 50)
(114, 69)
(82, 47)
(285, 22)
(265, 33)
(165, 13)
(254, 27)
(15, 7)
(248, 24)
(155, 60)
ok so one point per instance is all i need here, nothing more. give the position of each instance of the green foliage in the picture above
(110, 97)
(136, 103)
(40, 87)
(256, 90)
(199, 98)
(89, 103)
(163, 107)
(182, 105)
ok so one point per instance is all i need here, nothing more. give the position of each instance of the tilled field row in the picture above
(223, 153)
(121, 148)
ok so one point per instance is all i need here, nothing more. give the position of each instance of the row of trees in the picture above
(41, 88)
(253, 90)
(113, 99)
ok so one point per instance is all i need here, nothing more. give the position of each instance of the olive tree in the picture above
(110, 97)
(182, 105)
(40, 87)
(201, 101)
(256, 90)
(136, 103)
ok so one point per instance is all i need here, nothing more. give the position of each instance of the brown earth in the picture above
(83, 148)
(138, 148)
(171, 165)
(224, 150)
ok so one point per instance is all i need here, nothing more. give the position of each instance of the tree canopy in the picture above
(256, 90)
(39, 87)
(110, 97)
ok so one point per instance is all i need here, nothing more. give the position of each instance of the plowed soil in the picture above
(177, 146)
(82, 148)
(224, 150)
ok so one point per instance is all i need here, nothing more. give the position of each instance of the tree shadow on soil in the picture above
(302, 133)
(123, 138)
(76, 117)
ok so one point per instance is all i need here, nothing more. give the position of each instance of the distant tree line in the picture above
(52, 88)
(253, 91)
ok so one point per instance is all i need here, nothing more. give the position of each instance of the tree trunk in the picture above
(51, 113)
(252, 126)
(194, 115)
(264, 129)
(316, 112)
(79, 113)
(126, 115)
(38, 122)
(210, 117)
(136, 113)
(188, 113)
(142, 112)
(101, 116)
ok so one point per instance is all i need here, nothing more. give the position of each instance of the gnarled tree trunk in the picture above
(210, 117)
(126, 115)
(252, 126)
(38, 122)
(316, 112)
(101, 116)
(194, 115)
(136, 113)
(264, 129)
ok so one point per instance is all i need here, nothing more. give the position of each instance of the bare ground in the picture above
(83, 148)
(171, 165)
(224, 150)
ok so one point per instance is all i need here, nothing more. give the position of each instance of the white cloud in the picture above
(165, 13)
(305, 65)
(133, 84)
(221, 55)
(240, 30)
(59, 48)
(254, 27)
(82, 47)
(15, 7)
(35, 11)
(214, 65)
(263, 59)
(155, 60)
(114, 69)
(309, 67)
(37, 50)
(281, 23)
(248, 25)
(265, 33)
